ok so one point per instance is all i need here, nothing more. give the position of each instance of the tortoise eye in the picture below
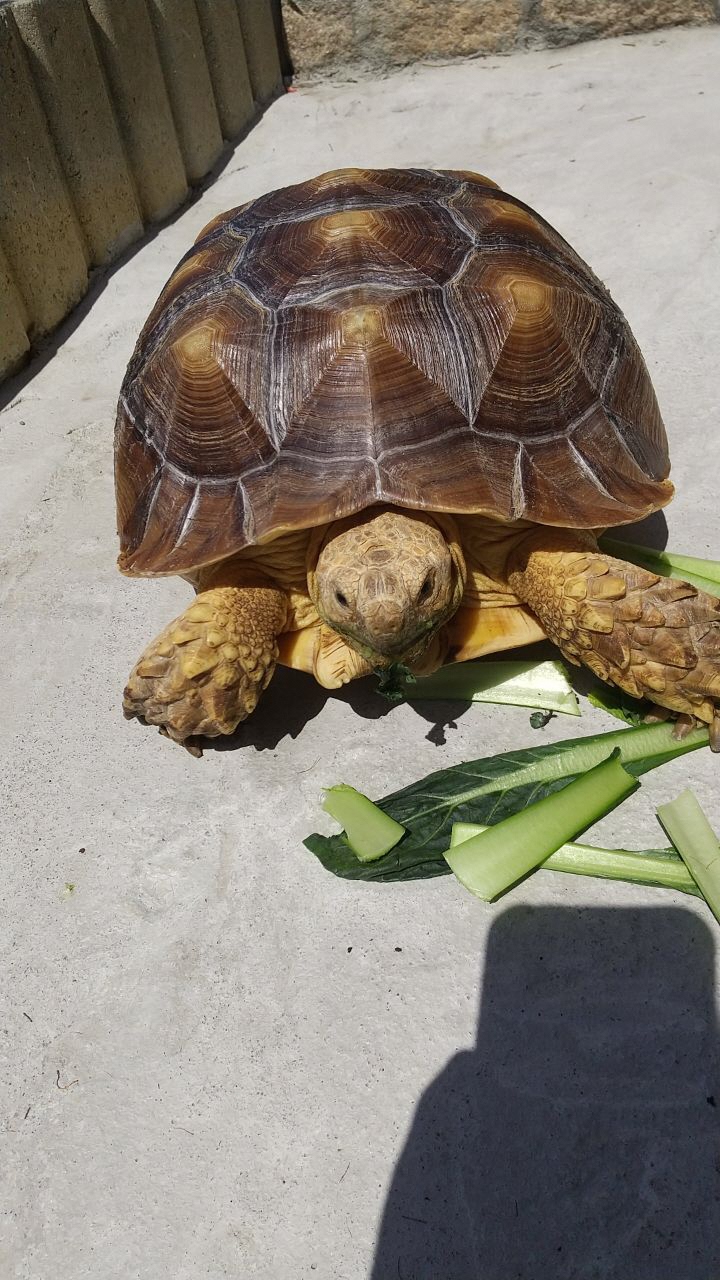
(426, 588)
(341, 599)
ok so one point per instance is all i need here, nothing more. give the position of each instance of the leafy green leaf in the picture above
(487, 790)
(619, 704)
(394, 680)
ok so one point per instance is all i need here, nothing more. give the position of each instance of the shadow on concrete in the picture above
(293, 699)
(580, 1138)
(290, 702)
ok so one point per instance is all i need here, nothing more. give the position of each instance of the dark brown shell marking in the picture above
(379, 336)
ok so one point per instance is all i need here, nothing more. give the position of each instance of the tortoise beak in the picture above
(389, 627)
(394, 646)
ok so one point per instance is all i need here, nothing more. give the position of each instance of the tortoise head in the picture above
(386, 580)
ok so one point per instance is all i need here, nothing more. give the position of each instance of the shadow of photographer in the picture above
(580, 1138)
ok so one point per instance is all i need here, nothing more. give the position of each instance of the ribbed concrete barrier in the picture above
(109, 111)
(39, 229)
(182, 55)
(126, 46)
(14, 342)
(77, 108)
(225, 52)
(261, 51)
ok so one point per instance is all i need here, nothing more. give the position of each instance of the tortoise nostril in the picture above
(426, 588)
(341, 599)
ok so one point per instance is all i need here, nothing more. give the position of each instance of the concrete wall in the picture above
(110, 110)
(347, 38)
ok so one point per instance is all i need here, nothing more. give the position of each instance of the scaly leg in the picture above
(654, 637)
(205, 672)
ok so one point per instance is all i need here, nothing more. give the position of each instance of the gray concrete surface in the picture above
(212, 1050)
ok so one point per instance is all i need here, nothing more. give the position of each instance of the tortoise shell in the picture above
(393, 336)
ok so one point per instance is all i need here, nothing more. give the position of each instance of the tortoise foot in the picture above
(205, 672)
(654, 637)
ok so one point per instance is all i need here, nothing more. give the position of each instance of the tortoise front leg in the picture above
(654, 637)
(205, 672)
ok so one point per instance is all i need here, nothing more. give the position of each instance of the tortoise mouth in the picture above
(403, 649)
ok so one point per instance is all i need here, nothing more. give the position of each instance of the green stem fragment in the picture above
(369, 832)
(543, 685)
(659, 867)
(704, 574)
(697, 844)
(491, 862)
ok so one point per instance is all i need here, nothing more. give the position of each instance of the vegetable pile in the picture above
(496, 820)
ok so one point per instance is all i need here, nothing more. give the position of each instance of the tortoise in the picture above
(379, 418)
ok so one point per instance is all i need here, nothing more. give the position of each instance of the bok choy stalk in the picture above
(488, 790)
(704, 574)
(697, 844)
(660, 867)
(490, 863)
(369, 832)
(542, 685)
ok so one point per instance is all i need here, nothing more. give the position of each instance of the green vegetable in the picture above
(369, 832)
(697, 844)
(488, 790)
(394, 680)
(539, 719)
(489, 863)
(704, 574)
(619, 704)
(661, 867)
(521, 684)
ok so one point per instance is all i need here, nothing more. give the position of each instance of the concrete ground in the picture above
(216, 1055)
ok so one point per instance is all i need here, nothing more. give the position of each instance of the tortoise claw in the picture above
(190, 744)
(683, 726)
(656, 715)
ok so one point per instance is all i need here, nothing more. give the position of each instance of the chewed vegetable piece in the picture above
(369, 832)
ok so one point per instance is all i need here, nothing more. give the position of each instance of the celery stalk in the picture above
(491, 862)
(543, 685)
(369, 832)
(659, 867)
(697, 844)
(704, 574)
